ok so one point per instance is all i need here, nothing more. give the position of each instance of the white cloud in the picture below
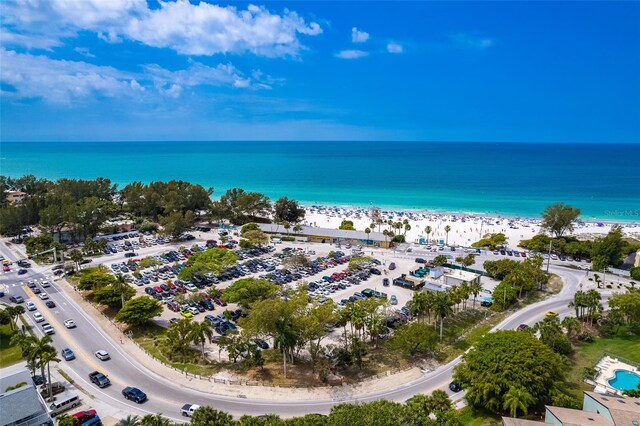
(84, 52)
(59, 81)
(351, 54)
(358, 36)
(198, 74)
(65, 82)
(472, 41)
(394, 48)
(187, 28)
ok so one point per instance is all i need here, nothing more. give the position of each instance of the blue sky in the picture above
(344, 70)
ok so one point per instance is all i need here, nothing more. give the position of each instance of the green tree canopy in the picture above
(559, 218)
(347, 225)
(246, 291)
(112, 295)
(211, 260)
(138, 311)
(415, 338)
(509, 359)
(498, 269)
(608, 251)
(286, 210)
(95, 278)
(491, 241)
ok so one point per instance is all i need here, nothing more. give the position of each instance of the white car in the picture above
(31, 306)
(43, 296)
(45, 284)
(102, 355)
(38, 317)
(194, 311)
(191, 287)
(69, 323)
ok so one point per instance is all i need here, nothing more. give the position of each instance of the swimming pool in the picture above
(625, 380)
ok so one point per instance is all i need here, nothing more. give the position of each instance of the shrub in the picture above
(285, 238)
(586, 337)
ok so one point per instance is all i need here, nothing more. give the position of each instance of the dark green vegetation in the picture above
(529, 374)
(82, 207)
(606, 251)
(515, 372)
(491, 241)
(421, 410)
(516, 278)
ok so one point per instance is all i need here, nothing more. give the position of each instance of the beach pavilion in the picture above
(327, 235)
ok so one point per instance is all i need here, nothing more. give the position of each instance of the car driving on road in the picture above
(69, 323)
(102, 355)
(67, 354)
(134, 394)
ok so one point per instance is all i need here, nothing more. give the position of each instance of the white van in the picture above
(276, 241)
(63, 404)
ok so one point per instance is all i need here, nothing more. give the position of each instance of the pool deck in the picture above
(606, 370)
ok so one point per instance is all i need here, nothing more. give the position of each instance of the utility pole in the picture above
(549, 254)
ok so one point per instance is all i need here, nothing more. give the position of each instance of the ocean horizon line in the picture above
(322, 141)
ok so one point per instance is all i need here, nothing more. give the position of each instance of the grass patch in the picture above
(152, 338)
(467, 332)
(470, 416)
(9, 354)
(623, 345)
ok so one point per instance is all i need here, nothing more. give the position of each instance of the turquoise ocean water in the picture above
(512, 179)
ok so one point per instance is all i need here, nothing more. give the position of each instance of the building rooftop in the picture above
(624, 410)
(19, 404)
(571, 417)
(510, 421)
(324, 232)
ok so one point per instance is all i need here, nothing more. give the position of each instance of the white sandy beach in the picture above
(465, 228)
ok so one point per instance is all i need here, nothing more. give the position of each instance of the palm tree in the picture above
(120, 283)
(475, 288)
(76, 257)
(465, 291)
(201, 333)
(296, 228)
(367, 231)
(439, 401)
(442, 308)
(428, 230)
(285, 338)
(407, 228)
(468, 260)
(286, 225)
(129, 421)
(65, 420)
(517, 398)
(47, 358)
(447, 229)
(40, 347)
(157, 420)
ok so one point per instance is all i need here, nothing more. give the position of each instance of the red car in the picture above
(205, 296)
(6, 268)
(219, 302)
(158, 289)
(82, 416)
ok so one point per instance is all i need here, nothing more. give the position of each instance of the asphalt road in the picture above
(167, 397)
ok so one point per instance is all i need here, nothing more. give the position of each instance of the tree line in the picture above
(82, 207)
